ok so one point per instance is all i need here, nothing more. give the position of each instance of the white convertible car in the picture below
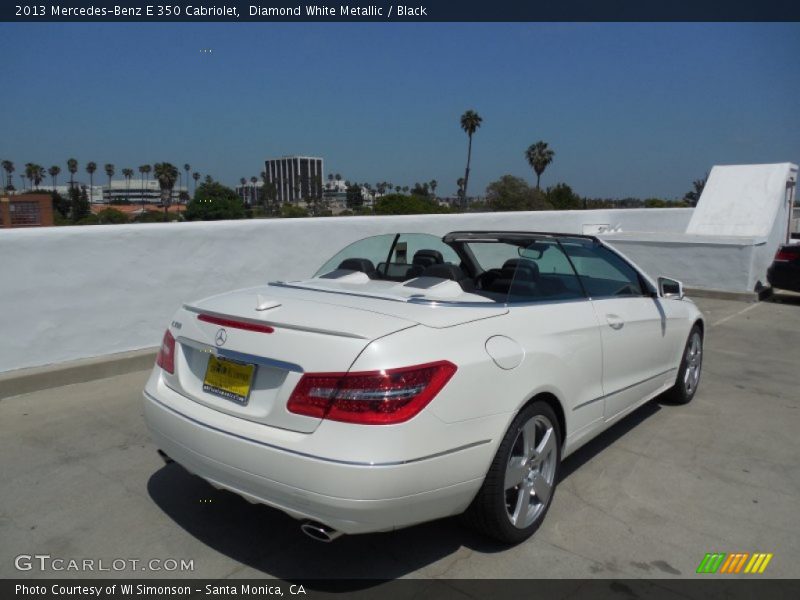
(416, 377)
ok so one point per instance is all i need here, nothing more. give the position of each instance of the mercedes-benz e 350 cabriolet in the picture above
(415, 377)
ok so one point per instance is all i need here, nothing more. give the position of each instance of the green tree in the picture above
(539, 156)
(166, 174)
(111, 216)
(698, 185)
(513, 193)
(470, 121)
(292, 211)
(562, 197)
(144, 170)
(72, 167)
(91, 167)
(420, 190)
(61, 205)
(9, 168)
(402, 204)
(109, 169)
(127, 174)
(354, 197)
(54, 171)
(79, 204)
(214, 202)
(196, 177)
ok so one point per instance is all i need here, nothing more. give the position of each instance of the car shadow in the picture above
(269, 541)
(779, 297)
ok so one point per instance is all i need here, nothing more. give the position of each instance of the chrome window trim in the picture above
(239, 356)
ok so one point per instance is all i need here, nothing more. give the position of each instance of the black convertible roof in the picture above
(491, 235)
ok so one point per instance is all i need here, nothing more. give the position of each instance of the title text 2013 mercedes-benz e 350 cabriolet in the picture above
(416, 377)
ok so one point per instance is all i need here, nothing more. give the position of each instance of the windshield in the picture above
(392, 256)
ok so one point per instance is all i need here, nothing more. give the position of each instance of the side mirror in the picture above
(670, 288)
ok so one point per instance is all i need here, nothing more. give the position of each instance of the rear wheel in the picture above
(519, 486)
(690, 369)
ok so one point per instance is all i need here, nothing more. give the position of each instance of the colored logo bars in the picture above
(736, 562)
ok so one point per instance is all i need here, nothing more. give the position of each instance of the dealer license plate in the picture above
(228, 379)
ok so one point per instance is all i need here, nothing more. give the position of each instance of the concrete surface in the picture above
(81, 479)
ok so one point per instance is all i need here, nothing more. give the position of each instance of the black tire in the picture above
(489, 512)
(686, 386)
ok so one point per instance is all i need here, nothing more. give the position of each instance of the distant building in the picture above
(296, 178)
(27, 210)
(251, 193)
(138, 192)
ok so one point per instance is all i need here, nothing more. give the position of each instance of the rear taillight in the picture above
(370, 398)
(166, 354)
(784, 255)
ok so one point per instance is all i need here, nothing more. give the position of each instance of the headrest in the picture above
(521, 268)
(358, 264)
(426, 258)
(444, 271)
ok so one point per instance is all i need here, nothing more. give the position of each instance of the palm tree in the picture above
(109, 168)
(539, 156)
(39, 174)
(470, 121)
(91, 167)
(397, 189)
(253, 180)
(187, 167)
(54, 171)
(8, 167)
(433, 183)
(167, 175)
(196, 177)
(72, 167)
(127, 174)
(145, 171)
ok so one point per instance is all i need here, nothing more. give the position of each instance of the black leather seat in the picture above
(359, 264)
(422, 260)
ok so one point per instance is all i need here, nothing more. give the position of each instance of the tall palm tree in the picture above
(539, 156)
(470, 121)
(253, 180)
(9, 168)
(196, 177)
(145, 171)
(91, 167)
(72, 167)
(109, 168)
(166, 174)
(127, 174)
(54, 171)
(39, 174)
(433, 183)
(187, 167)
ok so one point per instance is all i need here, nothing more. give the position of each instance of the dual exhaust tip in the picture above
(319, 532)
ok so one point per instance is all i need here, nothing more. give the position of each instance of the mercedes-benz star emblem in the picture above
(221, 337)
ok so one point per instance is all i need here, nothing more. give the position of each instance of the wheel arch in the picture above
(551, 400)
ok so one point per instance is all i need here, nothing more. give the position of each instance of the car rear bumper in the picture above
(784, 276)
(351, 498)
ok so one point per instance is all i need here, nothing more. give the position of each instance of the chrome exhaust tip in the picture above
(167, 460)
(319, 532)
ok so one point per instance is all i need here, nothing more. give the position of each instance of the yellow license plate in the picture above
(228, 379)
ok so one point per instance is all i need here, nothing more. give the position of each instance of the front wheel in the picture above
(690, 369)
(519, 486)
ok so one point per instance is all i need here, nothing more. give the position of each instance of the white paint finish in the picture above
(79, 292)
(743, 200)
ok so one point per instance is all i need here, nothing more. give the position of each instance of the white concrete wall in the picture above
(77, 292)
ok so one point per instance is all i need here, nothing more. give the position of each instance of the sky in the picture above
(630, 109)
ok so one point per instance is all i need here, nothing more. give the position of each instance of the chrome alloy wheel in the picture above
(694, 362)
(530, 472)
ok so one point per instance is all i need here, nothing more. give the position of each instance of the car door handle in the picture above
(615, 322)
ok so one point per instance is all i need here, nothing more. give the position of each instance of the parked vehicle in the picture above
(416, 377)
(784, 272)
